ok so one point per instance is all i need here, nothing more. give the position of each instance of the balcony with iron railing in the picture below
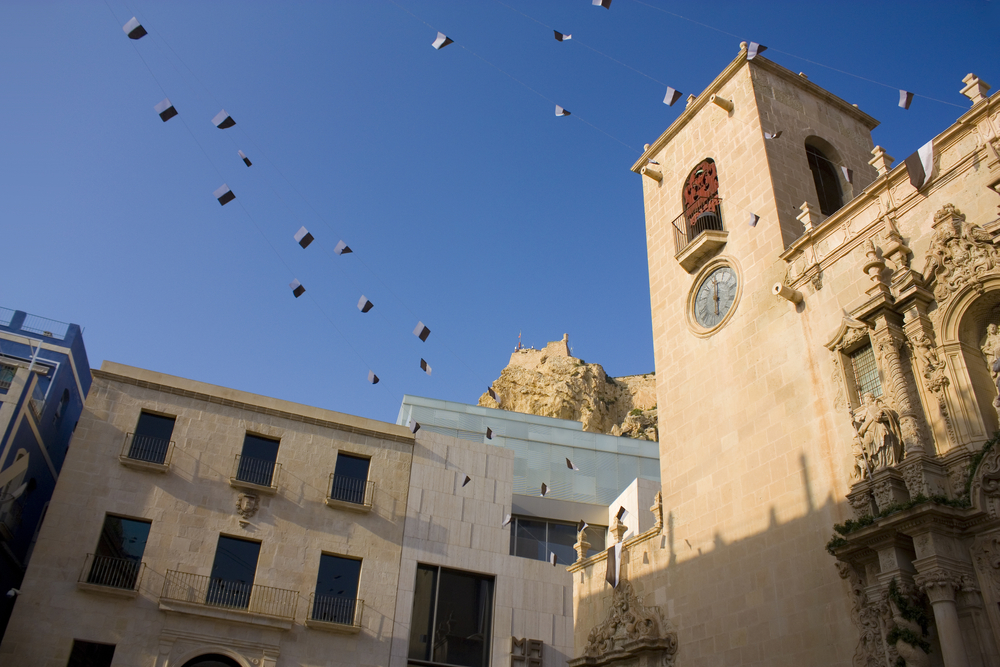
(114, 576)
(11, 514)
(698, 232)
(350, 493)
(258, 475)
(236, 601)
(145, 452)
(334, 614)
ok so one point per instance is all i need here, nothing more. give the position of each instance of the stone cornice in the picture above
(392, 432)
(882, 189)
(602, 555)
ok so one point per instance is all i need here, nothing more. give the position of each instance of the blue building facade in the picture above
(44, 381)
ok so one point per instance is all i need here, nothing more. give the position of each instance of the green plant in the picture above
(634, 412)
(911, 612)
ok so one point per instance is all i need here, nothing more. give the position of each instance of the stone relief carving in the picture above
(887, 345)
(960, 254)
(986, 553)
(582, 545)
(933, 368)
(991, 348)
(985, 487)
(869, 651)
(247, 505)
(628, 629)
(878, 441)
(839, 400)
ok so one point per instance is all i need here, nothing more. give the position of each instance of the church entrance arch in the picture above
(212, 660)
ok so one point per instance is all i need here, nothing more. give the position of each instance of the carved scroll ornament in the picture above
(630, 630)
(985, 487)
(961, 253)
(865, 615)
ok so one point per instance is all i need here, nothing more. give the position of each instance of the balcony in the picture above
(234, 601)
(699, 233)
(335, 614)
(6, 376)
(113, 576)
(144, 452)
(350, 493)
(258, 475)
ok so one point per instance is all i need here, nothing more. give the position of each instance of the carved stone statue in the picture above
(991, 348)
(657, 510)
(960, 253)
(878, 435)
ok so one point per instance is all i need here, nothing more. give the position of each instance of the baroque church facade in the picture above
(825, 335)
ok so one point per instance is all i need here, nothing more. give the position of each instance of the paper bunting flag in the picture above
(425, 367)
(245, 158)
(602, 3)
(562, 112)
(493, 395)
(920, 165)
(414, 426)
(848, 174)
(224, 195)
(297, 288)
(421, 331)
(652, 161)
(614, 564)
(552, 558)
(165, 109)
(544, 489)
(364, 305)
(489, 433)
(467, 480)
(561, 37)
(905, 97)
(672, 96)
(754, 219)
(442, 41)
(134, 29)
(775, 135)
(303, 237)
(223, 120)
(583, 525)
(372, 377)
(570, 465)
(622, 513)
(506, 521)
(342, 248)
(755, 50)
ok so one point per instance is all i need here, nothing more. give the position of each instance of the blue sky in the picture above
(469, 205)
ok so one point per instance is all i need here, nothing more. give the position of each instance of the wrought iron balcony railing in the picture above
(121, 573)
(7, 375)
(260, 474)
(241, 596)
(704, 216)
(351, 490)
(337, 610)
(147, 449)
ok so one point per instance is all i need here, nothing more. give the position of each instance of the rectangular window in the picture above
(350, 479)
(151, 438)
(336, 589)
(90, 654)
(6, 375)
(537, 538)
(257, 461)
(233, 572)
(118, 558)
(866, 372)
(452, 617)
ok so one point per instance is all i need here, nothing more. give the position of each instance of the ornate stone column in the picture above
(887, 340)
(941, 586)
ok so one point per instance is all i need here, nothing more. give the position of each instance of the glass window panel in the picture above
(866, 372)
(350, 478)
(257, 460)
(354, 467)
(597, 536)
(531, 539)
(123, 538)
(336, 589)
(421, 621)
(233, 572)
(562, 537)
(464, 617)
(151, 438)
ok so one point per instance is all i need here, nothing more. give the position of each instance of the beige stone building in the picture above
(824, 335)
(200, 525)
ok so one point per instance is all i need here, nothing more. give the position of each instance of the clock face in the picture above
(715, 297)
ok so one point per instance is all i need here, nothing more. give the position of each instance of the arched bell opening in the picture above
(700, 198)
(828, 174)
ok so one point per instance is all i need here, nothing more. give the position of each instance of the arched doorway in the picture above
(212, 660)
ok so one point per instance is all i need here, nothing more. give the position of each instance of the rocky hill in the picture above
(551, 383)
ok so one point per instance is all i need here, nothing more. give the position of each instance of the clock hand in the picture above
(715, 286)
